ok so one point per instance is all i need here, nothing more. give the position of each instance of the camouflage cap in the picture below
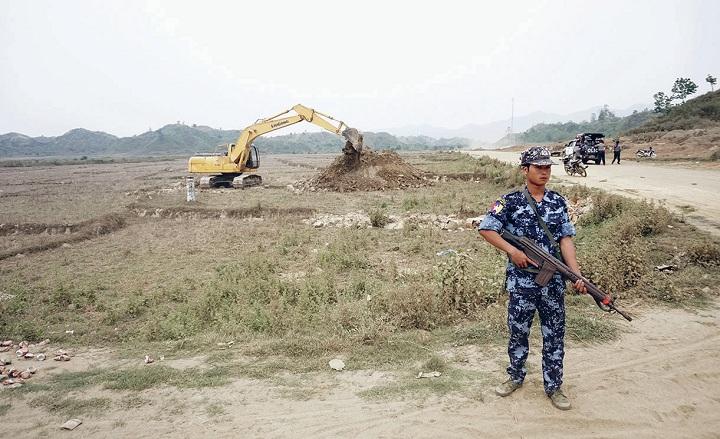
(536, 155)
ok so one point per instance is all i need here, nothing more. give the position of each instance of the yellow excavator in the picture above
(236, 167)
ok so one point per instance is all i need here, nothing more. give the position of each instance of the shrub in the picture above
(705, 254)
(612, 264)
(378, 218)
(605, 207)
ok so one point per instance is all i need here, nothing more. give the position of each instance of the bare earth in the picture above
(692, 191)
(660, 379)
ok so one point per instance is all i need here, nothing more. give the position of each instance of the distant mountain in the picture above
(488, 133)
(179, 139)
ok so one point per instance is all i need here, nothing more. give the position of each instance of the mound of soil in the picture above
(375, 171)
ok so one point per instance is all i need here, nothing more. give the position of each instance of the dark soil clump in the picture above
(373, 171)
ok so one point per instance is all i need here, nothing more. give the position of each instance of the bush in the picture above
(378, 218)
(458, 288)
(411, 307)
(605, 207)
(705, 254)
(610, 262)
(643, 219)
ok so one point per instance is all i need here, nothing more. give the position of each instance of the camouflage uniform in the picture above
(513, 213)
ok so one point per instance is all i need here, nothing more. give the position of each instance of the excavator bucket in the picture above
(354, 142)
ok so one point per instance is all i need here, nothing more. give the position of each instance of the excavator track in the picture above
(216, 181)
(246, 181)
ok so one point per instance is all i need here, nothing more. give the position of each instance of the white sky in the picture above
(125, 66)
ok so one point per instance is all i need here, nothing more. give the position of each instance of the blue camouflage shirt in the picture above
(513, 213)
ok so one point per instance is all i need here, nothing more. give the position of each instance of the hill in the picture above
(607, 123)
(689, 131)
(698, 113)
(485, 133)
(179, 139)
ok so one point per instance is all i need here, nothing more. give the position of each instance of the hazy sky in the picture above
(125, 66)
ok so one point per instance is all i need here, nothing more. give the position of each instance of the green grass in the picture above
(293, 296)
(57, 403)
(452, 380)
(214, 410)
(131, 379)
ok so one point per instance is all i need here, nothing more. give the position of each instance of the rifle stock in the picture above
(549, 265)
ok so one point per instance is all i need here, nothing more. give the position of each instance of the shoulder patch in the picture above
(497, 206)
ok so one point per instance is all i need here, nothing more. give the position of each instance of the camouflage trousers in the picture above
(550, 305)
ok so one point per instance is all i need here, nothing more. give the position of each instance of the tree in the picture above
(712, 81)
(683, 88)
(663, 102)
(605, 114)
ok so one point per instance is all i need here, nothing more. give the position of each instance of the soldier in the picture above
(541, 215)
(617, 149)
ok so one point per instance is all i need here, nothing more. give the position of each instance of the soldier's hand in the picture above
(580, 286)
(520, 259)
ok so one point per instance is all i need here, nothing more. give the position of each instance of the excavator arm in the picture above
(240, 152)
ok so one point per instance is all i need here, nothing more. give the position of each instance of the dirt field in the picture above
(119, 238)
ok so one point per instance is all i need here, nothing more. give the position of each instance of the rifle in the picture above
(549, 265)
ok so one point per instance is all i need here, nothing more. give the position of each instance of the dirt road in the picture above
(693, 192)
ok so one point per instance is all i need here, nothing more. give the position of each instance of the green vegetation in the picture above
(70, 406)
(180, 139)
(712, 81)
(84, 160)
(606, 123)
(700, 112)
(452, 380)
(292, 296)
(681, 89)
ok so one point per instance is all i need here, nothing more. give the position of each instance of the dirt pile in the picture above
(375, 171)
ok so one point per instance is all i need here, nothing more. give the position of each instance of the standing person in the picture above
(601, 151)
(541, 215)
(616, 151)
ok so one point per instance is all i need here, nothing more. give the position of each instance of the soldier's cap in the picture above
(536, 155)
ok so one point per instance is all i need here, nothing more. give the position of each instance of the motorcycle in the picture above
(645, 153)
(573, 166)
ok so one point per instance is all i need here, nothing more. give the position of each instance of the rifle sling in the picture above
(533, 206)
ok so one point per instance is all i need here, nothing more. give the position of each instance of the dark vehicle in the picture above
(586, 146)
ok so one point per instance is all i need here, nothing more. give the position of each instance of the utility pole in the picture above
(512, 121)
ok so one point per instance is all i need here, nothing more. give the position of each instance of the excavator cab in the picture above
(253, 161)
